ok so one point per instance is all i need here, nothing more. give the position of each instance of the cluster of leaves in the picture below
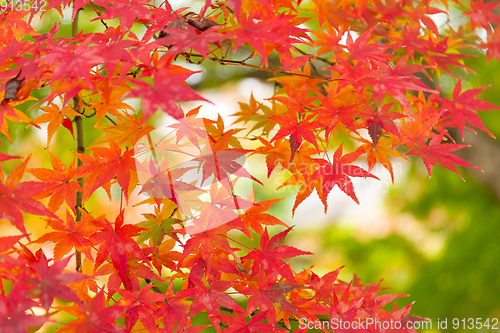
(373, 83)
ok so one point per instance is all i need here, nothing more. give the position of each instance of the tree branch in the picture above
(80, 148)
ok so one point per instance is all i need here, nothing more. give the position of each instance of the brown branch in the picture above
(244, 64)
(80, 148)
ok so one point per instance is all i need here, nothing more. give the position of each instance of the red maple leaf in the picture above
(298, 129)
(16, 197)
(338, 173)
(462, 105)
(323, 287)
(169, 86)
(187, 38)
(481, 14)
(203, 245)
(376, 120)
(437, 152)
(265, 296)
(174, 310)
(210, 298)
(117, 242)
(239, 324)
(276, 31)
(396, 81)
(50, 281)
(72, 61)
(5, 157)
(222, 162)
(128, 10)
(93, 317)
(361, 51)
(107, 164)
(15, 314)
(140, 304)
(269, 258)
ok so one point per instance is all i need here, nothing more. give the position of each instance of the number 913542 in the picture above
(20, 5)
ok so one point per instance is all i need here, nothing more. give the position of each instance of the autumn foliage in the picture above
(344, 71)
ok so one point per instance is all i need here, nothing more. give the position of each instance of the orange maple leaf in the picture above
(70, 235)
(54, 116)
(61, 183)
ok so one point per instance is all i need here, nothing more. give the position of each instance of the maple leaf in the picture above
(298, 100)
(323, 287)
(277, 154)
(265, 297)
(140, 304)
(481, 14)
(72, 61)
(380, 152)
(269, 257)
(203, 245)
(191, 127)
(222, 162)
(117, 242)
(255, 217)
(329, 41)
(209, 298)
(239, 324)
(250, 112)
(128, 129)
(15, 315)
(16, 197)
(338, 173)
(8, 242)
(492, 45)
(50, 281)
(108, 100)
(173, 310)
(305, 190)
(396, 81)
(135, 270)
(257, 32)
(159, 223)
(376, 120)
(164, 256)
(437, 152)
(169, 85)
(298, 130)
(5, 157)
(60, 182)
(70, 235)
(127, 10)
(179, 40)
(93, 317)
(107, 164)
(332, 114)
(362, 51)
(330, 11)
(462, 106)
(218, 210)
(54, 116)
